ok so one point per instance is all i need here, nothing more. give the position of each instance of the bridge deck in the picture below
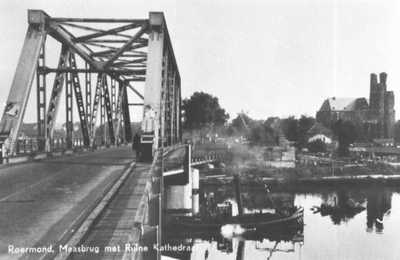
(45, 202)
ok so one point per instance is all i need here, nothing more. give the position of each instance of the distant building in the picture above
(319, 132)
(377, 115)
(279, 156)
(378, 149)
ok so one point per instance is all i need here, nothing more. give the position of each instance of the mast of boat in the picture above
(240, 251)
(238, 189)
(268, 192)
(273, 250)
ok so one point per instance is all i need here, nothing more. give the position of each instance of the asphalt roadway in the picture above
(43, 203)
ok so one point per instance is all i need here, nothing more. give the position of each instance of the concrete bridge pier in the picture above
(195, 174)
(184, 199)
(178, 198)
(150, 235)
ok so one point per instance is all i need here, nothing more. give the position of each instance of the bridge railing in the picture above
(208, 152)
(25, 146)
(177, 157)
(31, 145)
(58, 144)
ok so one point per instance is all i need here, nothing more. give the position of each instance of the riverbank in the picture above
(305, 172)
(253, 173)
(249, 162)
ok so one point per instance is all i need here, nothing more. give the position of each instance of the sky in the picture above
(266, 58)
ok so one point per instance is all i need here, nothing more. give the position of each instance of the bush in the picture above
(316, 146)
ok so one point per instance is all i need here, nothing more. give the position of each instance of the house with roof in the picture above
(376, 114)
(320, 132)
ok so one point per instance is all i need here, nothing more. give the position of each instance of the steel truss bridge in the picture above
(118, 201)
(100, 60)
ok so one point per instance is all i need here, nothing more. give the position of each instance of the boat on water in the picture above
(262, 220)
(213, 240)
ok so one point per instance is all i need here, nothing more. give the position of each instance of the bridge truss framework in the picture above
(110, 55)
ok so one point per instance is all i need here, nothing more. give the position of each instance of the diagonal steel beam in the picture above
(114, 40)
(92, 29)
(63, 36)
(127, 45)
(108, 32)
(99, 87)
(14, 111)
(114, 49)
(108, 111)
(79, 101)
(118, 112)
(56, 92)
(127, 118)
(134, 90)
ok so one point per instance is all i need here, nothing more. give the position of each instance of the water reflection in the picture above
(340, 207)
(379, 205)
(360, 223)
(206, 244)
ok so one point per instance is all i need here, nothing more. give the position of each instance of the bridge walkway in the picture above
(112, 233)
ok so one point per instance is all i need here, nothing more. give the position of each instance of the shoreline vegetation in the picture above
(248, 163)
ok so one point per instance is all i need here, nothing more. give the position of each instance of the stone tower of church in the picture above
(381, 114)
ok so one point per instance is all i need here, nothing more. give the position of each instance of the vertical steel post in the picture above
(178, 111)
(88, 92)
(152, 111)
(113, 99)
(173, 109)
(69, 122)
(127, 118)
(164, 125)
(102, 117)
(41, 99)
(114, 110)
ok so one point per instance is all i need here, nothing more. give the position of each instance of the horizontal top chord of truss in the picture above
(117, 47)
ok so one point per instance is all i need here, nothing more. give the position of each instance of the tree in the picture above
(202, 110)
(316, 146)
(290, 128)
(305, 123)
(346, 133)
(263, 134)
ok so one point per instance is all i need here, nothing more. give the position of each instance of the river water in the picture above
(372, 232)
